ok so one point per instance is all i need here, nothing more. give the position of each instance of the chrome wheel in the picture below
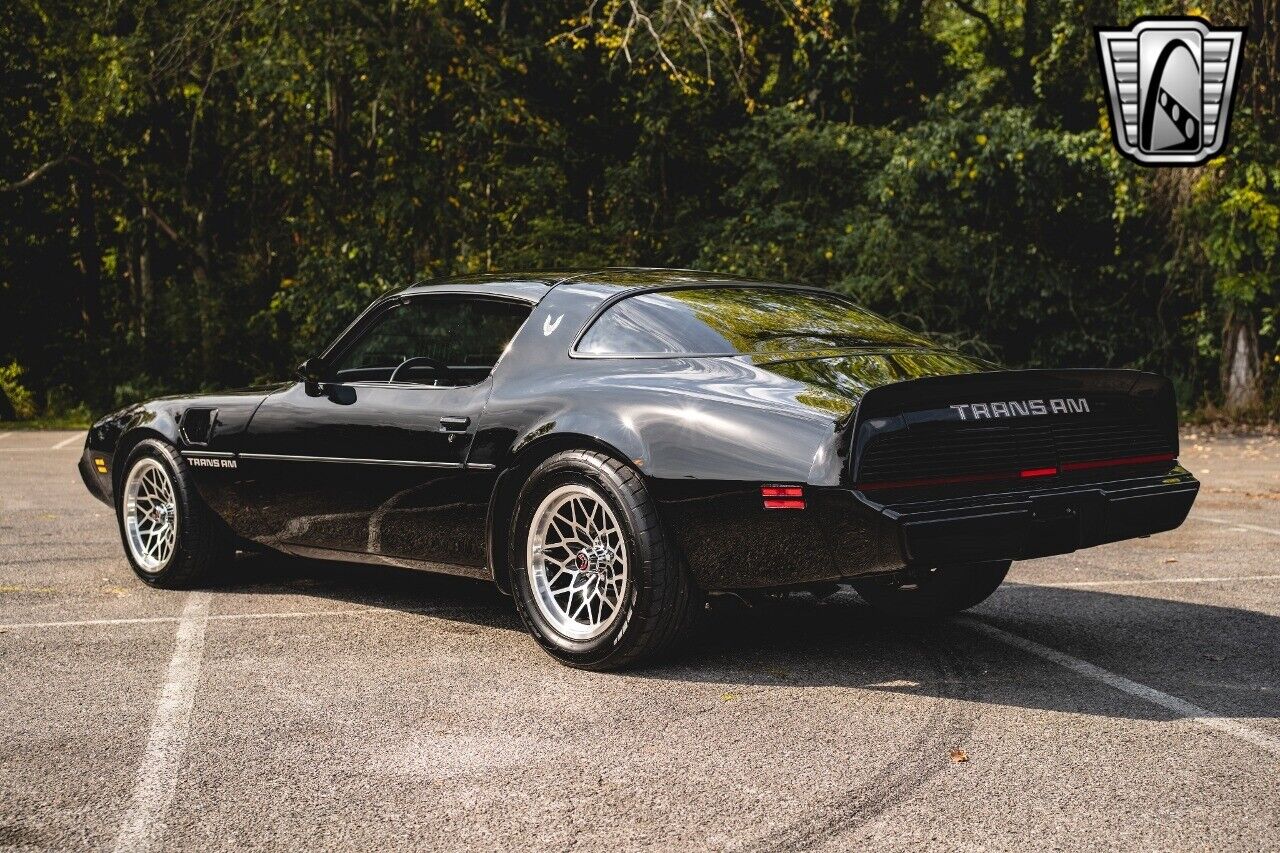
(150, 515)
(577, 562)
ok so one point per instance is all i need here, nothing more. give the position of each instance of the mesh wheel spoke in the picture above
(577, 562)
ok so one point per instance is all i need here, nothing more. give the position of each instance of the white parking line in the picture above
(13, 626)
(1181, 707)
(144, 823)
(5, 434)
(223, 617)
(1197, 517)
(1140, 582)
(66, 442)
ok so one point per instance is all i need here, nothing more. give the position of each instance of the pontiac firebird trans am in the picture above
(608, 447)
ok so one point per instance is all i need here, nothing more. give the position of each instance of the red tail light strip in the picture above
(1024, 474)
(1111, 463)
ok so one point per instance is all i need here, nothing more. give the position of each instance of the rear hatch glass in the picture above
(738, 320)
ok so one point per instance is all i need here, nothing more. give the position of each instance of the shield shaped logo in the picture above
(1170, 82)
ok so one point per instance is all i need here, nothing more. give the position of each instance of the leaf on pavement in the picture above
(959, 756)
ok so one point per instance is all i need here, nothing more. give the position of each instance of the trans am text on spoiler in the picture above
(610, 446)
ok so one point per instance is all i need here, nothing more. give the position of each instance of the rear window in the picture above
(736, 320)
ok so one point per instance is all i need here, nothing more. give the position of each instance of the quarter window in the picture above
(433, 340)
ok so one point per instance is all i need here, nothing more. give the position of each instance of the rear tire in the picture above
(936, 593)
(593, 576)
(171, 538)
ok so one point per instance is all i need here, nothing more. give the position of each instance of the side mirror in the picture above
(312, 374)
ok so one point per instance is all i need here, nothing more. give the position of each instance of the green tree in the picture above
(196, 194)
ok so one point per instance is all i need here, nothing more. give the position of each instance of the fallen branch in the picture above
(34, 176)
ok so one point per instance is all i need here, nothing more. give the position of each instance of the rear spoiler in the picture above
(999, 397)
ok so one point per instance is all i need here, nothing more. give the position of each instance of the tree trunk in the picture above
(151, 351)
(144, 284)
(340, 125)
(206, 298)
(1263, 61)
(1241, 366)
(89, 254)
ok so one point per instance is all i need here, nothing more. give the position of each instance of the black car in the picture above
(610, 446)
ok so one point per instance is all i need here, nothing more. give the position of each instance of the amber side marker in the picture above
(100, 464)
(782, 497)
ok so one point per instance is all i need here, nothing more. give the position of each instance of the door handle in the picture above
(452, 424)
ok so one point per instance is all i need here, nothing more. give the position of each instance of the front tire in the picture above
(594, 578)
(171, 538)
(935, 593)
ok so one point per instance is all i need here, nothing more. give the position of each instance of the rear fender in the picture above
(533, 448)
(596, 429)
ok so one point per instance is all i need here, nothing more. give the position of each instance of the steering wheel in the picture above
(423, 361)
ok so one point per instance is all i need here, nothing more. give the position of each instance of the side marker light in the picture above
(783, 497)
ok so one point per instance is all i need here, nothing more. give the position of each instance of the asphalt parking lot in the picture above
(1125, 697)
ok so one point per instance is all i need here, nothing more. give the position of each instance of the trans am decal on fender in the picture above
(610, 446)
(207, 462)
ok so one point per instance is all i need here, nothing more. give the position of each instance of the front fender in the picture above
(113, 437)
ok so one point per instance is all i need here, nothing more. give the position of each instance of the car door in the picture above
(372, 460)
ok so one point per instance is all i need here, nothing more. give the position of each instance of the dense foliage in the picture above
(198, 193)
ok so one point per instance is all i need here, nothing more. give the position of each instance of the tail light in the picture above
(782, 497)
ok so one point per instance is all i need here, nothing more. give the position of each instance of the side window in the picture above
(439, 340)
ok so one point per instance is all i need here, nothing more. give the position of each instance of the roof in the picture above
(529, 283)
(524, 285)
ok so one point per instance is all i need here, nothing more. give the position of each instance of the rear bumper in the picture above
(730, 542)
(1039, 523)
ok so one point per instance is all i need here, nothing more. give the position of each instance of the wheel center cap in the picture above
(594, 560)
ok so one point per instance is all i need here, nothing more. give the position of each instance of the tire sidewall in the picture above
(582, 471)
(957, 588)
